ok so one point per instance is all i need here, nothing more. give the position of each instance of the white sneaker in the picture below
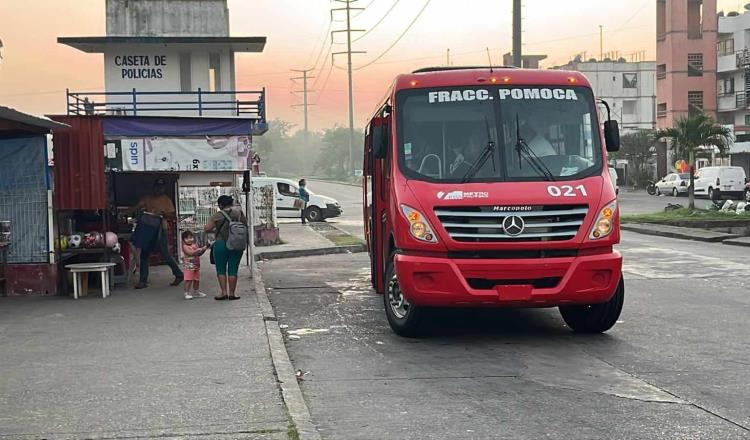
(199, 294)
(188, 296)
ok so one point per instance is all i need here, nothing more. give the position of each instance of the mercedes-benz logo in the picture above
(513, 225)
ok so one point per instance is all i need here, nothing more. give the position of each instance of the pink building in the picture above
(685, 63)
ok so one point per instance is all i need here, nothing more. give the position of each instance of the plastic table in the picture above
(81, 272)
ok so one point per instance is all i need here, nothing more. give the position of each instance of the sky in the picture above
(35, 71)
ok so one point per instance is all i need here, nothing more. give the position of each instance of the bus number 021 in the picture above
(567, 191)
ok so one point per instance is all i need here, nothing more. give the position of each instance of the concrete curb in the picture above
(742, 241)
(353, 249)
(677, 232)
(290, 389)
(334, 181)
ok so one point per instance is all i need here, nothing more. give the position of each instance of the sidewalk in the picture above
(139, 364)
(677, 232)
(302, 241)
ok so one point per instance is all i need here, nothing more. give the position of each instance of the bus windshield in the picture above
(518, 133)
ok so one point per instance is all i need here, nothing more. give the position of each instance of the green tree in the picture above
(692, 136)
(334, 155)
(636, 147)
(274, 140)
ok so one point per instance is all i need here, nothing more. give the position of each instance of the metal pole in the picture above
(601, 42)
(305, 104)
(351, 91)
(304, 75)
(517, 57)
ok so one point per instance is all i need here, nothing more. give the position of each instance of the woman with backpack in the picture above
(229, 225)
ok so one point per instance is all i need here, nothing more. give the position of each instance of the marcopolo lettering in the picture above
(539, 93)
(458, 95)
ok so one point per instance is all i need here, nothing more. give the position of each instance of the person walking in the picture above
(227, 261)
(158, 204)
(305, 197)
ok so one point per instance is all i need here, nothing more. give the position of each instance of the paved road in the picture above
(675, 366)
(350, 198)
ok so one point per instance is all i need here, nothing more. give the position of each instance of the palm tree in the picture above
(690, 136)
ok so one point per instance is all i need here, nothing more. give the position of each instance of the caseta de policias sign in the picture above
(141, 66)
(209, 153)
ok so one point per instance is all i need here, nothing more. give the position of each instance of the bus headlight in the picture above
(419, 227)
(605, 222)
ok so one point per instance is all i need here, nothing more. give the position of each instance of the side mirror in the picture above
(612, 135)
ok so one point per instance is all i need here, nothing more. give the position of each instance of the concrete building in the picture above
(170, 117)
(733, 74)
(686, 34)
(156, 48)
(629, 88)
(528, 61)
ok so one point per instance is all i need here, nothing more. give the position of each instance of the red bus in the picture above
(489, 187)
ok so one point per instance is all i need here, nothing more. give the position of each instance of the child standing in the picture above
(191, 264)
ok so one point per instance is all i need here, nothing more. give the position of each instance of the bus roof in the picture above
(479, 76)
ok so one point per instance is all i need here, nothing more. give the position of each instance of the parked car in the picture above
(318, 209)
(747, 192)
(673, 184)
(613, 177)
(730, 181)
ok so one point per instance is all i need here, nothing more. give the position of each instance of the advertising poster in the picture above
(209, 153)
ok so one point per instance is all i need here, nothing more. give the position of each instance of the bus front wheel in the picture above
(404, 318)
(595, 318)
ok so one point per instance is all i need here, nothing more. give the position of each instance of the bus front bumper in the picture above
(537, 282)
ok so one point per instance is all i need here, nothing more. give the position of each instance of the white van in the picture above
(730, 181)
(318, 208)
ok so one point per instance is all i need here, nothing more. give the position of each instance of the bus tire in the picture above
(404, 318)
(595, 318)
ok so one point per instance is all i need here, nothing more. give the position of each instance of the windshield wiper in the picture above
(536, 163)
(487, 152)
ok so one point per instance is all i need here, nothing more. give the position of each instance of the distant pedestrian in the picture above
(191, 265)
(305, 197)
(227, 261)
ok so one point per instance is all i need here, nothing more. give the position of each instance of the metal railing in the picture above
(741, 100)
(249, 104)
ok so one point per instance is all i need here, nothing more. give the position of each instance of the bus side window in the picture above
(388, 155)
(367, 171)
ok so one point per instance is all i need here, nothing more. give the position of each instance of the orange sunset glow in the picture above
(35, 70)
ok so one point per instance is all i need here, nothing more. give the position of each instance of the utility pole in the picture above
(304, 92)
(448, 58)
(601, 42)
(349, 53)
(517, 57)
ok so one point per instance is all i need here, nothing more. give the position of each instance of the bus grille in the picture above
(529, 223)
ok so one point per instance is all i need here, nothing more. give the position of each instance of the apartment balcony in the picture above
(217, 104)
(728, 102)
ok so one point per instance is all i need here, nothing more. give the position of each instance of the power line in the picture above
(323, 43)
(364, 8)
(323, 66)
(427, 3)
(378, 22)
(349, 52)
(625, 23)
(325, 83)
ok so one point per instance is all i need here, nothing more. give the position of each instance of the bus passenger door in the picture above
(376, 191)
